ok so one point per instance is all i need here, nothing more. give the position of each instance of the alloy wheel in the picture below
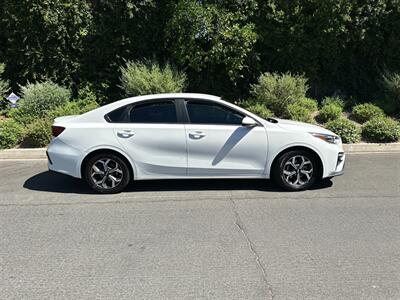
(106, 173)
(298, 170)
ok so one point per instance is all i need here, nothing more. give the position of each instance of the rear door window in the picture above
(154, 112)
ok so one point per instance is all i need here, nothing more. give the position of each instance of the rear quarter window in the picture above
(117, 116)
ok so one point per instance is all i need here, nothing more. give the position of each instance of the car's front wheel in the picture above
(295, 170)
(107, 173)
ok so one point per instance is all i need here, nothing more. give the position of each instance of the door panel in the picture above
(226, 150)
(156, 149)
(152, 135)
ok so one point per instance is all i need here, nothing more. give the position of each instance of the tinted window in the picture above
(155, 112)
(210, 113)
(118, 115)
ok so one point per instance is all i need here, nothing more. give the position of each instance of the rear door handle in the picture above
(126, 133)
(196, 135)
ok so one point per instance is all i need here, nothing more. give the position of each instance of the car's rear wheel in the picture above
(295, 170)
(107, 173)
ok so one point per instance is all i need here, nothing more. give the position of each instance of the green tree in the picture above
(4, 88)
(122, 30)
(44, 39)
(214, 40)
(304, 36)
(342, 46)
(391, 90)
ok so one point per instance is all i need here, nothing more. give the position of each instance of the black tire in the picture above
(284, 163)
(121, 176)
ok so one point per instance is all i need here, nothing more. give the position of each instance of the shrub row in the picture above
(381, 130)
(365, 112)
(377, 130)
(41, 103)
(329, 112)
(144, 78)
(257, 108)
(30, 123)
(277, 91)
(346, 129)
(301, 110)
(11, 133)
(282, 95)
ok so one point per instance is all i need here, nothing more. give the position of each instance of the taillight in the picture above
(56, 130)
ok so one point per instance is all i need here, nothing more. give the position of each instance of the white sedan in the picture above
(170, 136)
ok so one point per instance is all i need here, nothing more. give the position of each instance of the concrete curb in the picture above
(371, 147)
(40, 153)
(31, 153)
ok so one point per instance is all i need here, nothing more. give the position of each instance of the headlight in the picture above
(329, 138)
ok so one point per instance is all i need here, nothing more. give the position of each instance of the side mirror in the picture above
(249, 122)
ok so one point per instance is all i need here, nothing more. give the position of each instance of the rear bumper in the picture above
(63, 158)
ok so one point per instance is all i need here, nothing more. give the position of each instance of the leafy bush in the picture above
(258, 109)
(68, 108)
(335, 100)
(277, 91)
(39, 98)
(347, 130)
(73, 108)
(21, 115)
(142, 78)
(310, 104)
(4, 88)
(330, 112)
(381, 130)
(11, 133)
(391, 86)
(38, 133)
(365, 112)
(86, 94)
(297, 112)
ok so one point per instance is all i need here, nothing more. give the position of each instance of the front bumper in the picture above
(340, 163)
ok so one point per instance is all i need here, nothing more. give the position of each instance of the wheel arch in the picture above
(96, 151)
(300, 148)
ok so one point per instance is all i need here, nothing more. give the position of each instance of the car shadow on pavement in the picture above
(58, 183)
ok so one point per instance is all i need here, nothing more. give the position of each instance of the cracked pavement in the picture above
(220, 239)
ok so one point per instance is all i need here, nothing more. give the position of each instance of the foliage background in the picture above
(342, 46)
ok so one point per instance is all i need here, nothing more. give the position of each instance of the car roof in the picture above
(126, 101)
(170, 95)
(97, 114)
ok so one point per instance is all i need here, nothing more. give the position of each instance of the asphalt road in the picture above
(223, 239)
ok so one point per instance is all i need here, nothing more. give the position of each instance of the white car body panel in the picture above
(157, 151)
(156, 155)
(224, 150)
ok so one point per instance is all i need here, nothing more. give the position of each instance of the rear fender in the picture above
(107, 147)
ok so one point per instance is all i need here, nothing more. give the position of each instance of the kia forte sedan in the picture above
(170, 136)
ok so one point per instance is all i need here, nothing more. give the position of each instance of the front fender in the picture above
(274, 152)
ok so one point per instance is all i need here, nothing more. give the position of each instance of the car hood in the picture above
(300, 126)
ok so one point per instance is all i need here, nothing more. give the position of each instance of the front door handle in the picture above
(196, 135)
(126, 133)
